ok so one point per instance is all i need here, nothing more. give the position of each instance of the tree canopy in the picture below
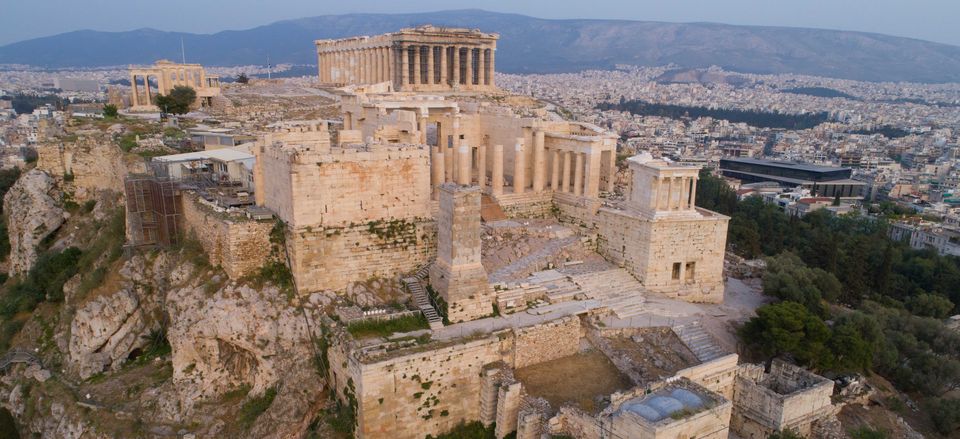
(178, 101)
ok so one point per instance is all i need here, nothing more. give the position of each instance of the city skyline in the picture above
(930, 21)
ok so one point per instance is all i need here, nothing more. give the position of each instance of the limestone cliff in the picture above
(34, 211)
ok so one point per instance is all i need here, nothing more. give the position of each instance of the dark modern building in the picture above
(824, 181)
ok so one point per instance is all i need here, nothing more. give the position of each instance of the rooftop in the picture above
(783, 164)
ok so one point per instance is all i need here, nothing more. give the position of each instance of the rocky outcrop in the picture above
(33, 210)
(94, 162)
(238, 337)
(105, 331)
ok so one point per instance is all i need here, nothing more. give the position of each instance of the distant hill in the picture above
(529, 45)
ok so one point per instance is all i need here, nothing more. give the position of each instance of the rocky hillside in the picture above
(530, 45)
(140, 342)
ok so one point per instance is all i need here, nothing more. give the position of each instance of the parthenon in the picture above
(168, 75)
(425, 58)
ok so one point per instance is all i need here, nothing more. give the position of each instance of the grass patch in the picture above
(254, 407)
(383, 328)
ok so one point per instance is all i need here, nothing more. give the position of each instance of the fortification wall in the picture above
(423, 393)
(330, 258)
(238, 245)
(718, 375)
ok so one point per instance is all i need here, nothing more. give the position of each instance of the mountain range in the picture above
(527, 45)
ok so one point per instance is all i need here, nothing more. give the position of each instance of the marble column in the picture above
(592, 178)
(416, 64)
(612, 171)
(444, 62)
(539, 160)
(555, 173)
(565, 183)
(482, 166)
(693, 193)
(464, 176)
(496, 177)
(430, 66)
(492, 67)
(468, 62)
(438, 172)
(481, 67)
(519, 168)
(578, 175)
(404, 67)
(455, 61)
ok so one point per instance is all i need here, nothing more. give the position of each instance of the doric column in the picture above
(519, 168)
(578, 175)
(416, 64)
(492, 67)
(539, 161)
(444, 62)
(693, 193)
(468, 62)
(464, 176)
(455, 61)
(404, 67)
(555, 173)
(612, 171)
(430, 65)
(496, 177)
(565, 183)
(592, 180)
(438, 172)
(481, 166)
(481, 70)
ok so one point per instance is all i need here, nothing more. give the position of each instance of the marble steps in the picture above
(699, 341)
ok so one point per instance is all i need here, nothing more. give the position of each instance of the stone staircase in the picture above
(490, 210)
(615, 289)
(421, 299)
(699, 341)
(533, 261)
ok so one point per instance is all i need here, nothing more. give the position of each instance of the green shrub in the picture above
(254, 407)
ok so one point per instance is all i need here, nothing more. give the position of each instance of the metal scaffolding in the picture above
(153, 210)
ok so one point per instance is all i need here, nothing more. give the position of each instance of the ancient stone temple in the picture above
(425, 58)
(167, 75)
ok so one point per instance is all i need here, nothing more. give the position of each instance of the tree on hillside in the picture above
(242, 78)
(178, 101)
(788, 328)
(788, 278)
(110, 111)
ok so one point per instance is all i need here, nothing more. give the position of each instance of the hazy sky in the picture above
(934, 20)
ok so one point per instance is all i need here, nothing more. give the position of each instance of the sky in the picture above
(933, 20)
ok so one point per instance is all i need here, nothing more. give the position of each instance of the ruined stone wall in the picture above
(527, 205)
(576, 423)
(650, 248)
(330, 258)
(423, 393)
(550, 341)
(239, 245)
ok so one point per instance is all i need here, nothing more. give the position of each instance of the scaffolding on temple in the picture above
(153, 210)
